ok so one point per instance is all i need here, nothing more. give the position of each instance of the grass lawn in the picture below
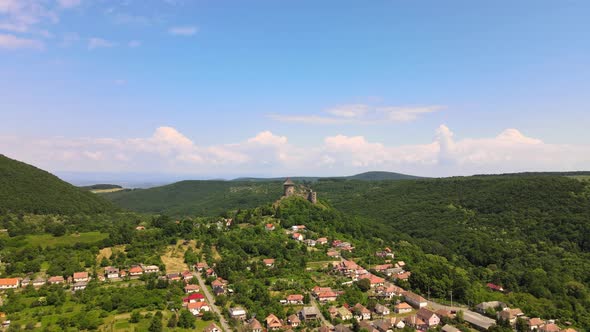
(48, 240)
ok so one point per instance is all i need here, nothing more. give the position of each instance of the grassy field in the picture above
(173, 258)
(48, 240)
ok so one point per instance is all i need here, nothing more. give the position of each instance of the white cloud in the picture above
(12, 42)
(362, 114)
(23, 16)
(69, 3)
(134, 43)
(169, 150)
(183, 30)
(94, 43)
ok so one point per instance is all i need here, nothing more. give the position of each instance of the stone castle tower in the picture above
(289, 188)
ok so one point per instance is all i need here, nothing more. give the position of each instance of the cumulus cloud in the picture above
(11, 42)
(361, 113)
(171, 151)
(183, 30)
(94, 43)
(69, 3)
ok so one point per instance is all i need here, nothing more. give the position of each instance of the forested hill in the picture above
(367, 176)
(198, 197)
(530, 234)
(25, 188)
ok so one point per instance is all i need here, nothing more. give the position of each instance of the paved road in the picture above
(211, 300)
(469, 316)
(317, 307)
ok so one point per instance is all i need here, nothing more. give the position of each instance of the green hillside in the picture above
(25, 188)
(198, 197)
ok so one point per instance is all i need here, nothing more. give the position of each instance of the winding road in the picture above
(211, 300)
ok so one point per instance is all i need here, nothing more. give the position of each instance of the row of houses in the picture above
(273, 323)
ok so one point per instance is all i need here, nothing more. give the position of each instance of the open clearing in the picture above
(173, 258)
(48, 240)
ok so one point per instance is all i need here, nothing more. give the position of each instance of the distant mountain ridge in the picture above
(28, 189)
(366, 176)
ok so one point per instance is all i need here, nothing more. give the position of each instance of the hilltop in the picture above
(28, 189)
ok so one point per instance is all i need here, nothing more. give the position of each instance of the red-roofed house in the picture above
(194, 297)
(191, 289)
(495, 287)
(81, 276)
(295, 299)
(197, 308)
(135, 271)
(269, 262)
(8, 283)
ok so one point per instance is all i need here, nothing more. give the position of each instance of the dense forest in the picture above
(204, 198)
(25, 188)
(530, 234)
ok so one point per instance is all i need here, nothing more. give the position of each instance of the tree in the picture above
(364, 284)
(186, 319)
(135, 317)
(173, 321)
(156, 325)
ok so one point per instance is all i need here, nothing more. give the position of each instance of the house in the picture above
(381, 310)
(321, 241)
(187, 275)
(293, 321)
(341, 328)
(210, 273)
(140, 228)
(309, 313)
(402, 276)
(382, 268)
(484, 306)
(297, 228)
(295, 299)
(297, 236)
(254, 325)
(324, 328)
(510, 315)
(429, 317)
(80, 285)
(174, 276)
(273, 323)
(8, 283)
(151, 269)
(344, 314)
(388, 291)
(81, 277)
(122, 274)
(373, 279)
(269, 262)
(402, 308)
(191, 288)
(549, 328)
(415, 322)
(367, 326)
(212, 328)
(333, 253)
(25, 282)
(269, 227)
(237, 313)
(535, 323)
(310, 242)
(400, 264)
(415, 300)
(328, 296)
(360, 312)
(194, 297)
(394, 271)
(135, 271)
(383, 325)
(111, 272)
(201, 266)
(197, 308)
(38, 282)
(444, 313)
(56, 280)
(495, 287)
(450, 328)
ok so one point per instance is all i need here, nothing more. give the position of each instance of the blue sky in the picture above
(224, 88)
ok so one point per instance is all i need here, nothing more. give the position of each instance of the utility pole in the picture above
(451, 298)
